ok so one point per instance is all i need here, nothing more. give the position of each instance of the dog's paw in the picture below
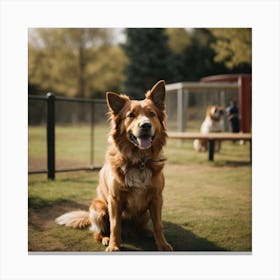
(105, 241)
(165, 247)
(112, 248)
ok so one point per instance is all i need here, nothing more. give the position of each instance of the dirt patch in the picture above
(36, 164)
(42, 226)
(44, 218)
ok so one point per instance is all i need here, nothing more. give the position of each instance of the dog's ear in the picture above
(115, 102)
(157, 94)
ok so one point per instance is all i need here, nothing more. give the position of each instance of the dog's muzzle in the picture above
(144, 137)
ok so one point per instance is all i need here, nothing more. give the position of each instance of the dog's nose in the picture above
(145, 125)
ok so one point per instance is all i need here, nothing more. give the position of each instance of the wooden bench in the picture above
(211, 137)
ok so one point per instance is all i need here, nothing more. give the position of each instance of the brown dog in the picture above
(211, 123)
(131, 181)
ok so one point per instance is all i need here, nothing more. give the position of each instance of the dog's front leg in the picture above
(155, 211)
(115, 224)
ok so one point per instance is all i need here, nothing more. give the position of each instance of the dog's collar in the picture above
(143, 162)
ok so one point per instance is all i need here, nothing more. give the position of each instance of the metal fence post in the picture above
(92, 135)
(51, 135)
(180, 110)
(211, 148)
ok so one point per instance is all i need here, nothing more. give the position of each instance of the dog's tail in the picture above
(75, 219)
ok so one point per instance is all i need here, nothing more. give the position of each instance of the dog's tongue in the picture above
(145, 143)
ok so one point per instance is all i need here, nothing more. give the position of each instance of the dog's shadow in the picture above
(180, 239)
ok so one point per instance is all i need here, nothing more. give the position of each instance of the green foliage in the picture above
(233, 46)
(74, 61)
(87, 62)
(197, 58)
(178, 39)
(148, 59)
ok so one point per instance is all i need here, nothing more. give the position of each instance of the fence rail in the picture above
(51, 100)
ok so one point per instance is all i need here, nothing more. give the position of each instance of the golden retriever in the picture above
(131, 181)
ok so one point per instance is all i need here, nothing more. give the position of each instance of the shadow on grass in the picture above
(42, 214)
(93, 181)
(232, 163)
(37, 202)
(180, 239)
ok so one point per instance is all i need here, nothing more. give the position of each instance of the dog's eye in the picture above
(130, 115)
(152, 114)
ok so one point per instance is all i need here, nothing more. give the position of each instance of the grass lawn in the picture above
(207, 205)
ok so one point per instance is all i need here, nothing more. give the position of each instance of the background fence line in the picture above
(186, 103)
(50, 104)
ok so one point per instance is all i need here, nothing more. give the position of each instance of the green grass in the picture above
(72, 146)
(207, 205)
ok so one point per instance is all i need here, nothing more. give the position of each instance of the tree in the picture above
(74, 61)
(196, 60)
(178, 39)
(233, 46)
(149, 59)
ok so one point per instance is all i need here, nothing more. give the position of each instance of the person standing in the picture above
(233, 116)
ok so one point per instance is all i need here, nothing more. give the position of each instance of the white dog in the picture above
(211, 123)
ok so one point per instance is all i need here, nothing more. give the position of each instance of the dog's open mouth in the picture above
(142, 141)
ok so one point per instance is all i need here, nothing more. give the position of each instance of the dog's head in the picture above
(215, 112)
(139, 123)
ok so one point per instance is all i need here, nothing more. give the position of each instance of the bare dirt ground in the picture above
(42, 221)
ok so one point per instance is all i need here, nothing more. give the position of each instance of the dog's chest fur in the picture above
(137, 177)
(210, 125)
(136, 202)
(138, 183)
